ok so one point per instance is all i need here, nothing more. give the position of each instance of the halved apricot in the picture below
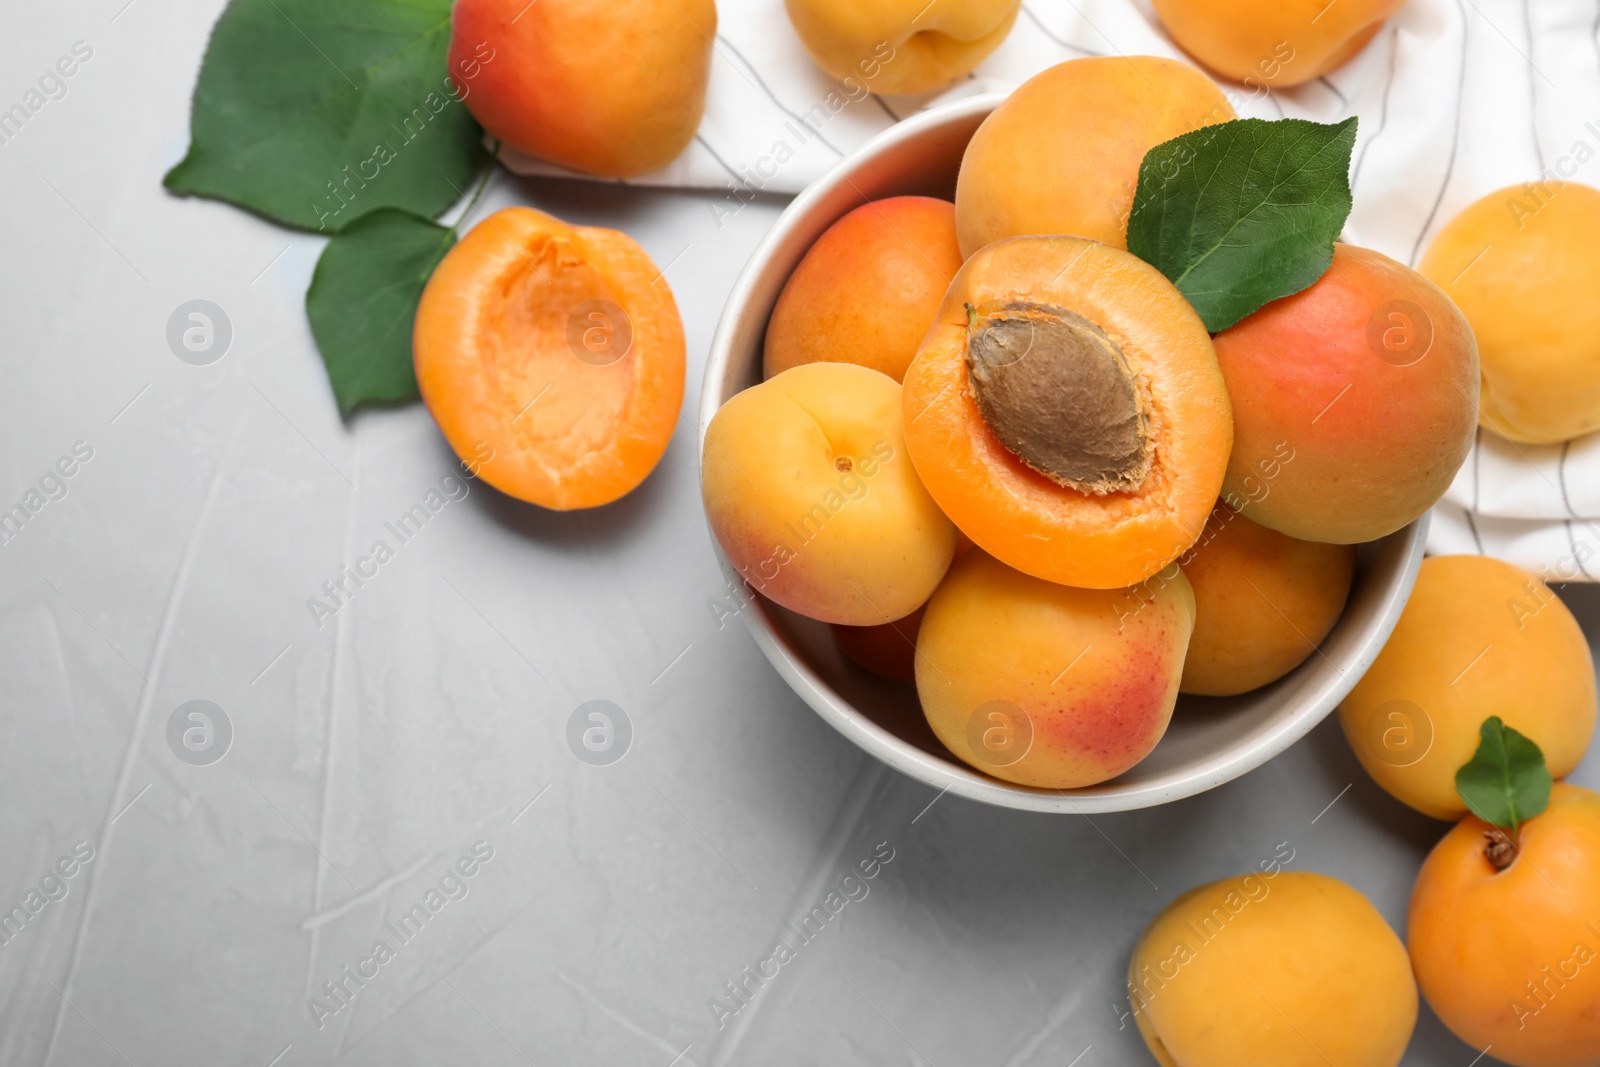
(1067, 412)
(555, 349)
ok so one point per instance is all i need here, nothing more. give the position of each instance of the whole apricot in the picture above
(1523, 264)
(901, 46)
(608, 87)
(1286, 968)
(1263, 602)
(1478, 637)
(1273, 43)
(1505, 942)
(869, 288)
(1067, 412)
(1354, 401)
(1061, 155)
(1046, 685)
(812, 497)
(551, 356)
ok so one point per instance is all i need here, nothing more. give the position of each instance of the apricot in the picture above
(1046, 685)
(869, 288)
(1067, 412)
(1273, 43)
(1509, 959)
(1287, 968)
(808, 489)
(1523, 264)
(1478, 637)
(888, 649)
(1354, 401)
(1263, 603)
(901, 46)
(555, 350)
(608, 87)
(1061, 155)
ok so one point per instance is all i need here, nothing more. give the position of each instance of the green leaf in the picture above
(1506, 782)
(363, 299)
(1243, 212)
(316, 112)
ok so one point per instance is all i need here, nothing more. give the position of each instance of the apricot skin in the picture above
(1263, 602)
(497, 368)
(888, 650)
(1018, 515)
(1291, 969)
(1342, 433)
(608, 87)
(1096, 682)
(809, 491)
(1061, 155)
(901, 46)
(1479, 938)
(1523, 264)
(1273, 43)
(1535, 672)
(869, 288)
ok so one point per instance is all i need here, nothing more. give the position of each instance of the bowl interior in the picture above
(1211, 740)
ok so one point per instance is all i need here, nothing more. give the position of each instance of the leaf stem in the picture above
(483, 181)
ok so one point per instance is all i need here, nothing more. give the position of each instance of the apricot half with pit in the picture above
(1067, 412)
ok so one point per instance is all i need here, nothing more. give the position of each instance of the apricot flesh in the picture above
(1273, 43)
(868, 289)
(1354, 401)
(1523, 264)
(1098, 536)
(1061, 155)
(1046, 685)
(608, 87)
(1510, 959)
(1289, 968)
(1263, 603)
(554, 350)
(809, 491)
(901, 46)
(1479, 637)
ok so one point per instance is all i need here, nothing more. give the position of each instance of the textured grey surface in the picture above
(372, 754)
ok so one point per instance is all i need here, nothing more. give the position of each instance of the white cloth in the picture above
(1457, 98)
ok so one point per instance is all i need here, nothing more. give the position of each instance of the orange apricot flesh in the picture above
(558, 351)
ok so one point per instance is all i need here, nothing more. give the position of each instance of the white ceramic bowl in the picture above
(1210, 741)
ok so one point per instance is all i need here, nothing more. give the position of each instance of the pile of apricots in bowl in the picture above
(1009, 464)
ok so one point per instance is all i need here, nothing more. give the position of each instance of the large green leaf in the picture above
(316, 112)
(1506, 782)
(1243, 212)
(362, 301)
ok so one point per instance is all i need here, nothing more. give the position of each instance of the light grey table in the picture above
(422, 730)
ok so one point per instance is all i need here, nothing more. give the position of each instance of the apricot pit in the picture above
(1060, 394)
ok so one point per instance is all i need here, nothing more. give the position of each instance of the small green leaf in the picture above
(362, 301)
(1506, 782)
(315, 112)
(1243, 212)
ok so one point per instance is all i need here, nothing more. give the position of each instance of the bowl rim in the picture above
(947, 773)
